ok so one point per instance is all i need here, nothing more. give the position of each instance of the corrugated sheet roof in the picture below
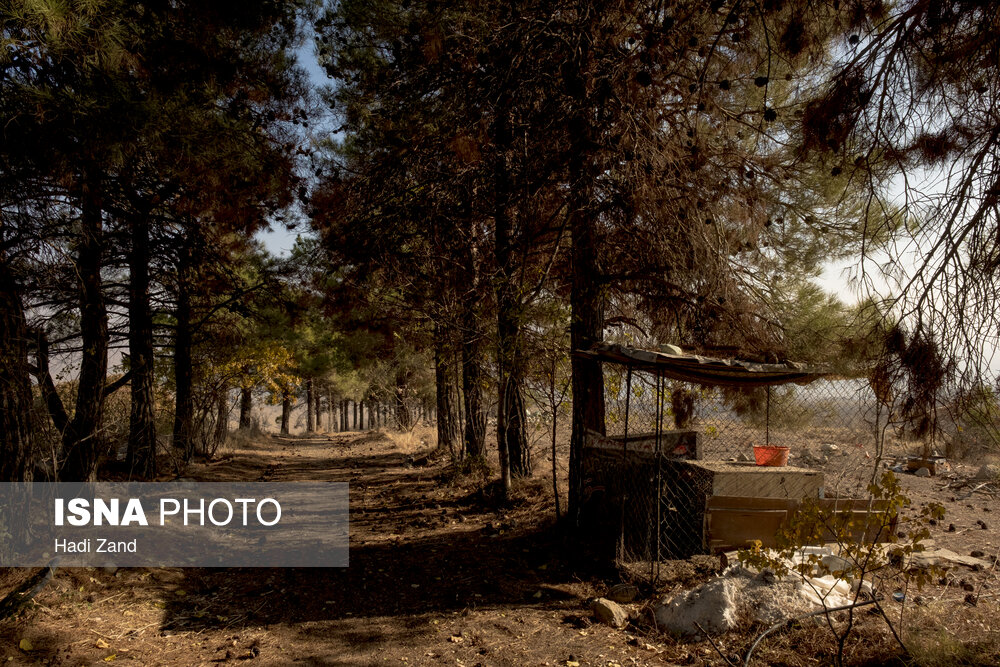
(704, 370)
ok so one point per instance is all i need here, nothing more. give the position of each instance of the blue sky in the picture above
(277, 240)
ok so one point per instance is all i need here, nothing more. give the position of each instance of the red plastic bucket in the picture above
(770, 456)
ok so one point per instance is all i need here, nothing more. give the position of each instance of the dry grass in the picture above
(419, 438)
(951, 632)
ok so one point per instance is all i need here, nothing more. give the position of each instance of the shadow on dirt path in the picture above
(420, 548)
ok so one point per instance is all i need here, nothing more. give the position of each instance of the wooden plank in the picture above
(735, 528)
(747, 479)
(736, 522)
(760, 503)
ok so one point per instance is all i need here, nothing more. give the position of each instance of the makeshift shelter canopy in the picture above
(703, 370)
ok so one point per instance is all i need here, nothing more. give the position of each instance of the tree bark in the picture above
(286, 410)
(472, 390)
(472, 355)
(183, 438)
(310, 406)
(319, 407)
(140, 454)
(586, 308)
(403, 417)
(141, 449)
(587, 298)
(222, 416)
(246, 404)
(331, 411)
(82, 439)
(16, 428)
(512, 439)
(446, 400)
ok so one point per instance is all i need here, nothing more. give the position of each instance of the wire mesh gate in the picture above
(668, 443)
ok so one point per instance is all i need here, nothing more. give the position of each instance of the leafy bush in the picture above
(861, 556)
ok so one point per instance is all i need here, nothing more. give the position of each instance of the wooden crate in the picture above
(935, 464)
(734, 522)
(725, 478)
(687, 485)
(697, 507)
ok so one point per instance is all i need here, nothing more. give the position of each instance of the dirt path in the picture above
(436, 576)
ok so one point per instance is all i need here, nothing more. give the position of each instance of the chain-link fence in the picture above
(672, 448)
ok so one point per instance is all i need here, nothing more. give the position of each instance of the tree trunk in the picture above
(472, 389)
(183, 439)
(512, 440)
(319, 408)
(331, 411)
(82, 441)
(246, 404)
(310, 425)
(286, 410)
(447, 402)
(403, 417)
(472, 356)
(16, 428)
(554, 408)
(222, 416)
(141, 450)
(587, 293)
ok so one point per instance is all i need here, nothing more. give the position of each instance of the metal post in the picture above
(628, 402)
(654, 562)
(767, 418)
(624, 494)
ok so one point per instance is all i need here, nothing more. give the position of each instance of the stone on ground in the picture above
(609, 613)
(623, 593)
(989, 473)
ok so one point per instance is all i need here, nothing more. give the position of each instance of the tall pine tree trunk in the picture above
(512, 439)
(246, 405)
(403, 417)
(286, 410)
(587, 300)
(222, 416)
(586, 295)
(141, 449)
(16, 428)
(473, 354)
(310, 406)
(472, 390)
(82, 441)
(446, 400)
(183, 438)
(319, 407)
(331, 411)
